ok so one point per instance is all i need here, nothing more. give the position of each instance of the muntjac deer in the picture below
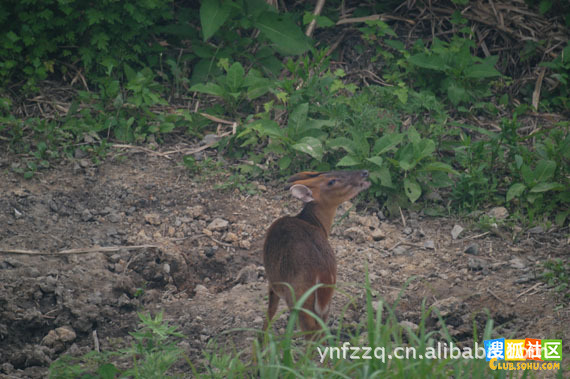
(296, 249)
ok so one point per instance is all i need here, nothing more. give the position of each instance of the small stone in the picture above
(380, 215)
(536, 230)
(152, 218)
(498, 213)
(114, 217)
(231, 237)
(171, 231)
(456, 231)
(86, 215)
(262, 188)
(429, 244)
(218, 224)
(196, 211)
(517, 263)
(166, 268)
(247, 274)
(377, 234)
(201, 290)
(62, 334)
(371, 222)
(413, 327)
(407, 230)
(472, 249)
(356, 234)
(84, 163)
(105, 211)
(399, 250)
(207, 232)
(258, 320)
(477, 264)
(245, 244)
(17, 213)
(447, 306)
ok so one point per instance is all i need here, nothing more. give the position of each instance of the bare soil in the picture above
(84, 247)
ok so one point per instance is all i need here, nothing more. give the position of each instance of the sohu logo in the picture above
(521, 350)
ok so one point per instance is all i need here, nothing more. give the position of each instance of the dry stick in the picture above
(83, 250)
(528, 290)
(374, 17)
(96, 341)
(477, 236)
(496, 297)
(537, 87)
(313, 23)
(403, 219)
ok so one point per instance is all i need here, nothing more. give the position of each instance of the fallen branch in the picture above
(82, 250)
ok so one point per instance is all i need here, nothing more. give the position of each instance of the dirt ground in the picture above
(84, 247)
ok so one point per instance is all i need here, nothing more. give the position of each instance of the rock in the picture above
(498, 213)
(472, 249)
(413, 327)
(245, 244)
(536, 230)
(447, 306)
(231, 237)
(201, 290)
(371, 222)
(196, 211)
(456, 231)
(247, 274)
(114, 217)
(86, 215)
(399, 250)
(57, 338)
(356, 234)
(377, 234)
(152, 218)
(517, 263)
(380, 215)
(407, 231)
(477, 264)
(429, 244)
(218, 224)
(84, 163)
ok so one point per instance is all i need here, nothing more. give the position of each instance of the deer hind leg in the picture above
(271, 308)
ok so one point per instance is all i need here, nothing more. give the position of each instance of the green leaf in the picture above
(208, 88)
(311, 146)
(167, 127)
(432, 62)
(341, 143)
(348, 160)
(213, 14)
(456, 93)
(376, 160)
(439, 166)
(284, 162)
(544, 187)
(480, 71)
(283, 32)
(544, 170)
(235, 77)
(387, 142)
(413, 189)
(518, 161)
(515, 191)
(413, 135)
(423, 149)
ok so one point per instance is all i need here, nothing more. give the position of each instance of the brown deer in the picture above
(296, 249)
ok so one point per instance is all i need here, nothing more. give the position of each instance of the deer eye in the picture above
(331, 182)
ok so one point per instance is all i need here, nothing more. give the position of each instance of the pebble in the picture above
(62, 334)
(356, 234)
(152, 218)
(218, 224)
(247, 274)
(498, 213)
(429, 244)
(472, 249)
(456, 231)
(86, 215)
(399, 250)
(377, 235)
(409, 324)
(536, 230)
(114, 217)
(407, 230)
(517, 263)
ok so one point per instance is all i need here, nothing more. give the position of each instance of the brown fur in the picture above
(297, 251)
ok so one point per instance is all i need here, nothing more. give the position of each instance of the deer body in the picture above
(296, 249)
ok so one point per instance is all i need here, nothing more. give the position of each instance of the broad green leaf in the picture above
(385, 177)
(544, 187)
(518, 161)
(432, 62)
(413, 135)
(515, 191)
(311, 146)
(376, 160)
(235, 77)
(284, 162)
(439, 166)
(213, 14)
(208, 88)
(544, 170)
(268, 128)
(413, 189)
(283, 32)
(166, 127)
(348, 160)
(387, 142)
(341, 143)
(423, 149)
(455, 92)
(480, 71)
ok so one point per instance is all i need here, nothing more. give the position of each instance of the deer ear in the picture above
(302, 193)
